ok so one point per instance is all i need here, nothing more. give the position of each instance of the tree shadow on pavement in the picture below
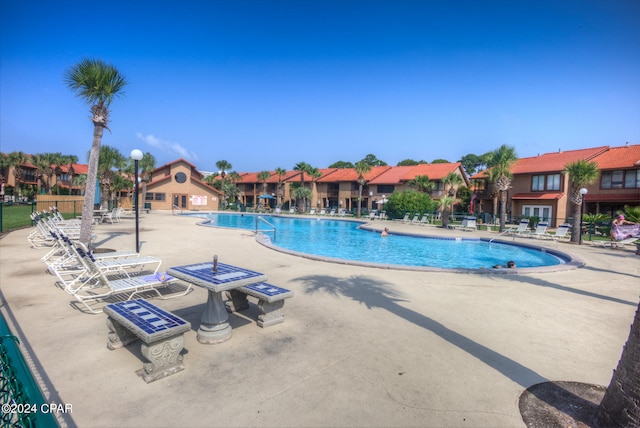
(378, 294)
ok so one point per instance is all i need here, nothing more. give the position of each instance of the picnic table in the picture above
(214, 327)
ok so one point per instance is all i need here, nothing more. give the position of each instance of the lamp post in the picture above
(136, 155)
(583, 192)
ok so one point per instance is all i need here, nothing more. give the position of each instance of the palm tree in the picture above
(304, 168)
(301, 193)
(443, 205)
(264, 176)
(98, 84)
(223, 166)
(17, 160)
(452, 181)
(581, 173)
(147, 164)
(422, 183)
(361, 169)
(280, 172)
(619, 406)
(501, 162)
(44, 162)
(110, 159)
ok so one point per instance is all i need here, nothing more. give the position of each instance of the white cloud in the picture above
(175, 149)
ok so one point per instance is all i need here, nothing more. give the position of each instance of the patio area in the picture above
(360, 346)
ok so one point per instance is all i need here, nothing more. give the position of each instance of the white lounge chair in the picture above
(106, 287)
(615, 244)
(562, 232)
(540, 232)
(83, 273)
(424, 220)
(323, 211)
(415, 219)
(522, 227)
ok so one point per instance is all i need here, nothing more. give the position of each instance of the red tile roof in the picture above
(350, 174)
(619, 157)
(556, 161)
(400, 174)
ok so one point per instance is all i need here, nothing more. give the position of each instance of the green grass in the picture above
(15, 217)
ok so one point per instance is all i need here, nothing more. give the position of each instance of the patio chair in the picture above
(129, 286)
(405, 219)
(615, 244)
(522, 228)
(424, 220)
(112, 216)
(415, 219)
(323, 211)
(562, 232)
(540, 232)
(84, 272)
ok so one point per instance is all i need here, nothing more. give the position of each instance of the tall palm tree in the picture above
(502, 159)
(581, 173)
(452, 181)
(304, 168)
(362, 168)
(17, 160)
(263, 176)
(223, 166)
(443, 205)
(147, 164)
(44, 162)
(422, 183)
(97, 83)
(619, 406)
(280, 172)
(111, 161)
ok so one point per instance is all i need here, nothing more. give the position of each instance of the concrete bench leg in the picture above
(118, 336)
(164, 358)
(237, 301)
(270, 313)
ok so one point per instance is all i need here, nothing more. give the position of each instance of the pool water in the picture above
(342, 239)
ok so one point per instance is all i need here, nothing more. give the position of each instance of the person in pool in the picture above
(510, 265)
(385, 232)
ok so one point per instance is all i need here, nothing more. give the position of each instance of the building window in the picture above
(632, 179)
(386, 188)
(543, 212)
(611, 180)
(537, 183)
(540, 183)
(155, 196)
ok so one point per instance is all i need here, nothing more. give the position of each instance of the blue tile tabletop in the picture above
(227, 276)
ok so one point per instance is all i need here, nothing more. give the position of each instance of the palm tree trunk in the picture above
(359, 199)
(576, 227)
(620, 406)
(89, 195)
(503, 209)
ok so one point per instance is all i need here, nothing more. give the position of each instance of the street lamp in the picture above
(136, 155)
(583, 192)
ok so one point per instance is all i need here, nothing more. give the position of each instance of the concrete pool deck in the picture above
(360, 346)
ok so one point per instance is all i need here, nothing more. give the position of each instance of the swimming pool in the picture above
(344, 240)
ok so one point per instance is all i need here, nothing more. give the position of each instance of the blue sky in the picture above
(266, 84)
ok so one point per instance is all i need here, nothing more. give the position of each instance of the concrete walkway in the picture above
(360, 346)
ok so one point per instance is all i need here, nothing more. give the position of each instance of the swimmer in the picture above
(385, 232)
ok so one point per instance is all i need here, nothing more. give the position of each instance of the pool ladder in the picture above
(501, 234)
(272, 227)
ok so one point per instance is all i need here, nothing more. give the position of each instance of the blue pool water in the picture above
(343, 240)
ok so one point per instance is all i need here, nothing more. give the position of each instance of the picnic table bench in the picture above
(271, 301)
(161, 333)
